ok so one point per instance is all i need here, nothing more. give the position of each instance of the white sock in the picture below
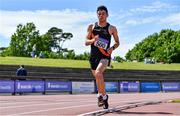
(99, 94)
(104, 97)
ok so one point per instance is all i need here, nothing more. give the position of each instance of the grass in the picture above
(141, 65)
(43, 62)
(83, 63)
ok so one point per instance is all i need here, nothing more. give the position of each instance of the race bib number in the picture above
(101, 43)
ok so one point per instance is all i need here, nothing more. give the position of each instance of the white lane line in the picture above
(39, 104)
(17, 103)
(139, 102)
(40, 101)
(26, 113)
(43, 104)
(65, 107)
(70, 107)
(119, 108)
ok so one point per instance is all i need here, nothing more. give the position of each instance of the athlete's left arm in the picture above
(114, 32)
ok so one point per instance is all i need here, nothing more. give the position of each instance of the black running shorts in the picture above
(94, 62)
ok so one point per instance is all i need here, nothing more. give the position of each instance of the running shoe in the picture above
(106, 105)
(100, 101)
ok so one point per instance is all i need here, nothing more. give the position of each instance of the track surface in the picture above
(77, 104)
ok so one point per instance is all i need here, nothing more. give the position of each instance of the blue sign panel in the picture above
(150, 87)
(124, 87)
(111, 86)
(129, 86)
(133, 87)
(170, 86)
(58, 86)
(6, 86)
(29, 86)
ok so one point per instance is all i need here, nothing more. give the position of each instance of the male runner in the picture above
(99, 37)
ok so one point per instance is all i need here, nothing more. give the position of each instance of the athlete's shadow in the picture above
(140, 113)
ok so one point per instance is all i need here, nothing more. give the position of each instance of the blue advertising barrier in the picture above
(170, 86)
(111, 86)
(58, 86)
(150, 87)
(129, 86)
(124, 87)
(6, 86)
(29, 86)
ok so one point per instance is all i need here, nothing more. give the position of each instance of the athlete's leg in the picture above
(97, 80)
(99, 76)
(102, 97)
(97, 69)
(94, 64)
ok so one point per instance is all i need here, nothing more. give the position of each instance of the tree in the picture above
(2, 48)
(26, 40)
(58, 38)
(23, 40)
(164, 47)
(65, 36)
(55, 35)
(118, 59)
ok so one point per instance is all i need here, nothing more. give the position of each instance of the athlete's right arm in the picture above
(90, 38)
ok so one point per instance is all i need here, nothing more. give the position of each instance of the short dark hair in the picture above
(102, 7)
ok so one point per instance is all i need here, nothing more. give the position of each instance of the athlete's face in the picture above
(102, 15)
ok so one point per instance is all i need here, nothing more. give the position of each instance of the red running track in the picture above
(71, 104)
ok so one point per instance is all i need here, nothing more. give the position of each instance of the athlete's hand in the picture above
(109, 50)
(96, 38)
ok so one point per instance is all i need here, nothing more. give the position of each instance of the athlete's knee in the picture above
(98, 74)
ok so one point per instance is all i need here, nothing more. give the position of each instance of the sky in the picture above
(134, 19)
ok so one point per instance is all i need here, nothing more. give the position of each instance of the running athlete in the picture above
(99, 38)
